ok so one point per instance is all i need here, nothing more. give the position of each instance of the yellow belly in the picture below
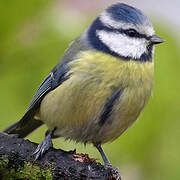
(75, 107)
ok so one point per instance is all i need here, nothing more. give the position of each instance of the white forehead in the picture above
(108, 21)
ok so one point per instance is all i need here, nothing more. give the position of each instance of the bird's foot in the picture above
(43, 147)
(114, 170)
(107, 164)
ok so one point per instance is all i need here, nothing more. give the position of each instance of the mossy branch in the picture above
(17, 162)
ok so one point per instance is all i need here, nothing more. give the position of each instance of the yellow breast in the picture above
(76, 105)
(127, 73)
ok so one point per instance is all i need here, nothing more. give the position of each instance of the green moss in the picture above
(3, 162)
(34, 172)
(3, 166)
(28, 171)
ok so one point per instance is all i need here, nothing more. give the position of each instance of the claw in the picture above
(114, 170)
(44, 146)
(107, 163)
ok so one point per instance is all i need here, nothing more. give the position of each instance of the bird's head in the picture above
(123, 31)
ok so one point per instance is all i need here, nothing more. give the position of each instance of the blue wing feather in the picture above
(54, 79)
(42, 90)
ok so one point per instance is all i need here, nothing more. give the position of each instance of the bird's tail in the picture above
(24, 126)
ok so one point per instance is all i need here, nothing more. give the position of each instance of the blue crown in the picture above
(128, 14)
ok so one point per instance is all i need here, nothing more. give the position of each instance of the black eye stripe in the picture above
(126, 32)
(131, 33)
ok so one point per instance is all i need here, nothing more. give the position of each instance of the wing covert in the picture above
(56, 77)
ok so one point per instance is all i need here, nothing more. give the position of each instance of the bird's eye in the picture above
(131, 33)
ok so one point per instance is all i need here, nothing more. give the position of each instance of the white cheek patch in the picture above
(122, 44)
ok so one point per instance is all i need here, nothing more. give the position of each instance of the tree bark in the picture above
(17, 162)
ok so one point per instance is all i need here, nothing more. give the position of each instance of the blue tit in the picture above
(100, 85)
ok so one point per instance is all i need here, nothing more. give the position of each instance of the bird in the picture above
(99, 86)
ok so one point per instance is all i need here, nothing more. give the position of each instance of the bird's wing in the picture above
(59, 73)
(27, 123)
(56, 77)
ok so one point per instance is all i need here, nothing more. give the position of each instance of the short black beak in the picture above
(156, 39)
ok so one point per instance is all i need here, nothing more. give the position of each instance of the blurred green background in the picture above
(33, 36)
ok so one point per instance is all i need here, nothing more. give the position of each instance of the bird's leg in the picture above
(45, 145)
(105, 159)
(107, 164)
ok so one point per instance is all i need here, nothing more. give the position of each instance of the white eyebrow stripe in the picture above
(106, 20)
